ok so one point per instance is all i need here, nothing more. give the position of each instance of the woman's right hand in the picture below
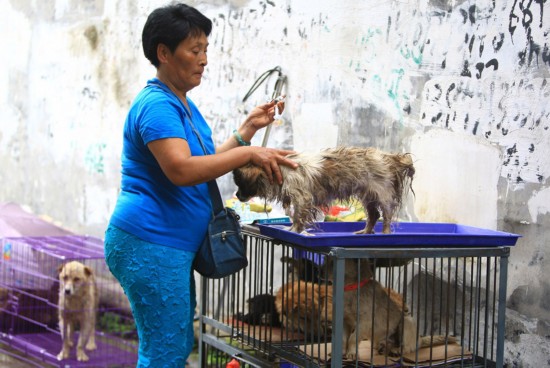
(269, 159)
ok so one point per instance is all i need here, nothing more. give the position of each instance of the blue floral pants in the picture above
(160, 286)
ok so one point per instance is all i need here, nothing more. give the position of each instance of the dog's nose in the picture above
(67, 291)
(239, 196)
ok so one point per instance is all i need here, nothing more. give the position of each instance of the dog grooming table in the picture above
(452, 278)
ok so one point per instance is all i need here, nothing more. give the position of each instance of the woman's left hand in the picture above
(261, 116)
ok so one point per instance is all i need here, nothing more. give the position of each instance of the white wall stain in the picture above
(456, 178)
(539, 204)
(314, 127)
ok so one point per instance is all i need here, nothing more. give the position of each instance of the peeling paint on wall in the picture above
(539, 204)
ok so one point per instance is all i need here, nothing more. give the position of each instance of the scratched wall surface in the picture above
(462, 85)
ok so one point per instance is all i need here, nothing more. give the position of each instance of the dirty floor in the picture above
(11, 358)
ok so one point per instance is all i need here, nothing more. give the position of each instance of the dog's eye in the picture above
(65, 278)
(76, 279)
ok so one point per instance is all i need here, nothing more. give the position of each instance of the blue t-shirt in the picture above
(149, 206)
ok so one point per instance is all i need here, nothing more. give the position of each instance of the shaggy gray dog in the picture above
(376, 178)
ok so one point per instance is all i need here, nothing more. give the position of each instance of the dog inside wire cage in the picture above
(36, 288)
(418, 310)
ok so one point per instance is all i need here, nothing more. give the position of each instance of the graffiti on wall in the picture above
(486, 102)
(528, 16)
(94, 158)
(498, 111)
(404, 62)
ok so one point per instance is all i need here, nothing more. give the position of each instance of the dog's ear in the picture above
(60, 268)
(366, 267)
(257, 173)
(88, 271)
(252, 173)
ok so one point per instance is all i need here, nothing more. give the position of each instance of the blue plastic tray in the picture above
(404, 234)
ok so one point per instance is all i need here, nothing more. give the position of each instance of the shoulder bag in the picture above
(222, 252)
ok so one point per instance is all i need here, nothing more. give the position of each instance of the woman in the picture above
(163, 208)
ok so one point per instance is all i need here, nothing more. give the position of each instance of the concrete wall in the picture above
(463, 85)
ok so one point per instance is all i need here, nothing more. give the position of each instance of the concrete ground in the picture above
(8, 359)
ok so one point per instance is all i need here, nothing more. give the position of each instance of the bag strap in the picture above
(217, 204)
(215, 196)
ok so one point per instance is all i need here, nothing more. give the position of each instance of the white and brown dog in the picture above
(78, 301)
(378, 179)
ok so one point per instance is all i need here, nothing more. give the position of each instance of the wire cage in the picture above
(29, 295)
(441, 303)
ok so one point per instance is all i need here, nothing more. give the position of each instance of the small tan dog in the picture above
(378, 179)
(387, 323)
(78, 302)
(305, 307)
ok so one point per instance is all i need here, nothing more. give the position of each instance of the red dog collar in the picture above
(356, 286)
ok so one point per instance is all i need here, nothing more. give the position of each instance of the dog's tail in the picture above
(407, 164)
(436, 340)
(409, 338)
(404, 168)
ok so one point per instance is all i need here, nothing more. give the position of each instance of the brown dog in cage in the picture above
(378, 179)
(373, 313)
(305, 307)
(78, 302)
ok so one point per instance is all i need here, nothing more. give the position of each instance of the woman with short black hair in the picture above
(164, 206)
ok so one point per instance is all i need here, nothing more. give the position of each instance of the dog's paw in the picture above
(91, 345)
(81, 356)
(350, 356)
(351, 353)
(63, 354)
(394, 352)
(390, 349)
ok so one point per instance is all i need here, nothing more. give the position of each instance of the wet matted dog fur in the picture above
(378, 179)
(78, 302)
(372, 312)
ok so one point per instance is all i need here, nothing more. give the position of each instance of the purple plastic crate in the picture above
(31, 262)
(285, 364)
(29, 284)
(404, 234)
(111, 351)
(63, 247)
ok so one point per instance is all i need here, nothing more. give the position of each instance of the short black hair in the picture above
(170, 25)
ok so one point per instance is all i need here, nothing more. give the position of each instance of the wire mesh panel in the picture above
(29, 301)
(336, 306)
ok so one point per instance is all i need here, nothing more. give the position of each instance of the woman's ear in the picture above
(162, 53)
